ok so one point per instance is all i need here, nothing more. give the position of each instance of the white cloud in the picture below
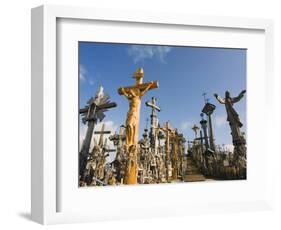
(142, 52)
(220, 120)
(83, 72)
(87, 77)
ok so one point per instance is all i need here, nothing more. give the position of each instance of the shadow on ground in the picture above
(25, 215)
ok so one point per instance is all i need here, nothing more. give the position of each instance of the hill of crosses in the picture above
(160, 153)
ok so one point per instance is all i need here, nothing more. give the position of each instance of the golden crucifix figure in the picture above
(134, 94)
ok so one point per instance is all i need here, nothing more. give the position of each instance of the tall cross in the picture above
(134, 94)
(153, 122)
(91, 114)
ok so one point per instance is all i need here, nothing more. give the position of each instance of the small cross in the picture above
(153, 105)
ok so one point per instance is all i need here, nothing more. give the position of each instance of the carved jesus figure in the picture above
(133, 95)
(232, 115)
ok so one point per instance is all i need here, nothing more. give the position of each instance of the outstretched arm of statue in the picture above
(238, 98)
(146, 89)
(220, 99)
(122, 91)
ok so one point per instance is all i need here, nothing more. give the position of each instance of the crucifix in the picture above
(153, 122)
(134, 94)
(91, 114)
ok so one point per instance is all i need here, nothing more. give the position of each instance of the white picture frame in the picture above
(45, 167)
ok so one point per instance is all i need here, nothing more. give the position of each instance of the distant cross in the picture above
(153, 121)
(195, 128)
(153, 106)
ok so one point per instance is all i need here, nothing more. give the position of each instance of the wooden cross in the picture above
(134, 94)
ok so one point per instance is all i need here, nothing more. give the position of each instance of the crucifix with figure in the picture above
(134, 94)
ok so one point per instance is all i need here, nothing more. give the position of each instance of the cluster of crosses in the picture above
(216, 161)
(160, 155)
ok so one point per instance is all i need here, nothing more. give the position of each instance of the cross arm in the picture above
(84, 110)
(148, 86)
(151, 85)
(102, 132)
(102, 106)
(107, 105)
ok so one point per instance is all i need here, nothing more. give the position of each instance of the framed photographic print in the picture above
(140, 114)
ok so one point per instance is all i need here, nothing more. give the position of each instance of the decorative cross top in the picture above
(96, 107)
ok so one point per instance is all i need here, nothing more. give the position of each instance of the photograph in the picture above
(153, 114)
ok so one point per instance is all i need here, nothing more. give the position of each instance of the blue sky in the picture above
(183, 73)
